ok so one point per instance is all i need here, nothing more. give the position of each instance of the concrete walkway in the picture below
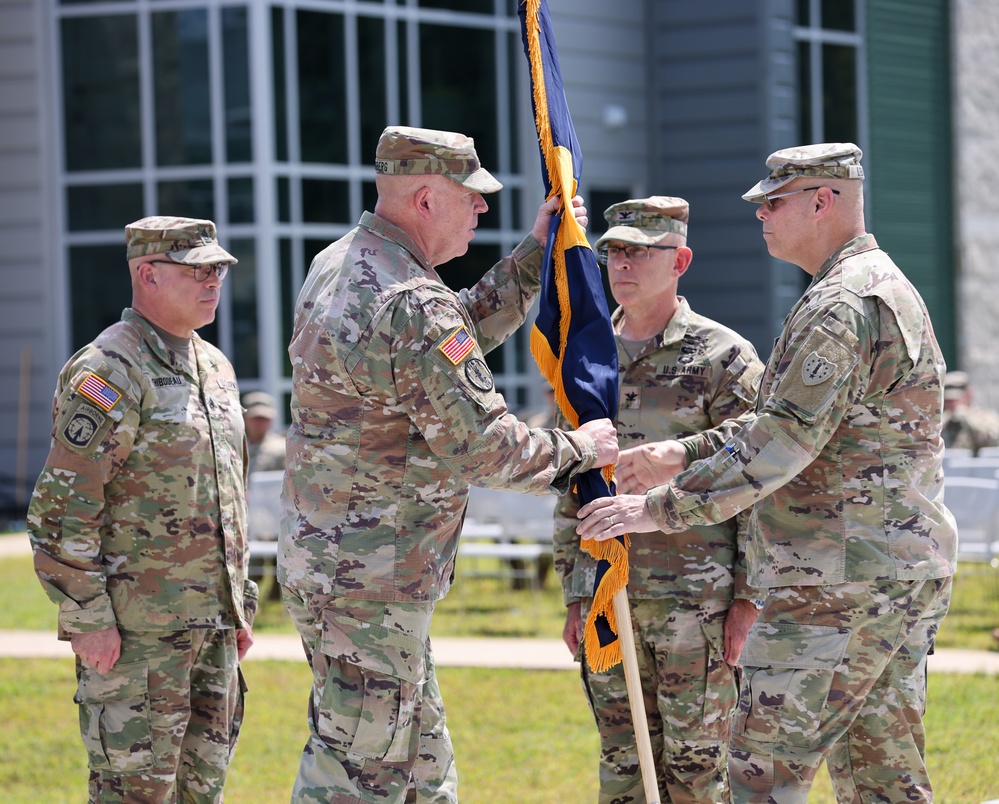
(532, 654)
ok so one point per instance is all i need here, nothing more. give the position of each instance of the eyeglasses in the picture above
(769, 199)
(632, 252)
(203, 270)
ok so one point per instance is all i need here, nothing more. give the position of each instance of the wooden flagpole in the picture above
(629, 658)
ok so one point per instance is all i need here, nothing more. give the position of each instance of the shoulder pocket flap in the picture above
(373, 647)
(819, 368)
(125, 682)
(801, 647)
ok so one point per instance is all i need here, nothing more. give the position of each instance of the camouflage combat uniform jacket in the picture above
(394, 412)
(842, 460)
(138, 518)
(696, 375)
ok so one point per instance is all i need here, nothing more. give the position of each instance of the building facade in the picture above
(263, 116)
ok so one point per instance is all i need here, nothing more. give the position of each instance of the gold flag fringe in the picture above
(558, 163)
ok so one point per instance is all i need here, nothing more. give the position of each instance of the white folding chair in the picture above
(971, 466)
(974, 501)
(263, 510)
(507, 535)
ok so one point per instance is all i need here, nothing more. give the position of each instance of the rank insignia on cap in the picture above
(457, 347)
(99, 391)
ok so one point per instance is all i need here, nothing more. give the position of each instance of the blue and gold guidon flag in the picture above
(572, 340)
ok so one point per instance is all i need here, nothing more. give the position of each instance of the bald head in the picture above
(436, 212)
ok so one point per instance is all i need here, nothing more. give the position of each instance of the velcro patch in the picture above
(820, 367)
(631, 397)
(99, 391)
(458, 346)
(816, 369)
(85, 422)
(478, 374)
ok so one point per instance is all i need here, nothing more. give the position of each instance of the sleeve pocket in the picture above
(375, 676)
(114, 718)
(789, 671)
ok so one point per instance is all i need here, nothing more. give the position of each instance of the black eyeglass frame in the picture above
(202, 270)
(603, 253)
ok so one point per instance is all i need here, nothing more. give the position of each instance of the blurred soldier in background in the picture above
(266, 448)
(966, 426)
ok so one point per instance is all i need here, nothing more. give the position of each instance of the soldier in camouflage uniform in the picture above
(264, 446)
(265, 453)
(394, 413)
(680, 373)
(965, 426)
(841, 468)
(137, 523)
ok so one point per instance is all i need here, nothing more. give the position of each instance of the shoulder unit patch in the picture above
(99, 391)
(458, 345)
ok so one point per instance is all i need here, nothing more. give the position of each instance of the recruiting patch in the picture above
(457, 347)
(97, 390)
(478, 374)
(84, 424)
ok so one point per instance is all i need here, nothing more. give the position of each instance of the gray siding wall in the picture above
(602, 53)
(975, 48)
(28, 360)
(721, 100)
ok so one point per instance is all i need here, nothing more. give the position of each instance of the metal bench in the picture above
(512, 530)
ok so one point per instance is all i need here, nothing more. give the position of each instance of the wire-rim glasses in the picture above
(202, 270)
(769, 198)
(632, 251)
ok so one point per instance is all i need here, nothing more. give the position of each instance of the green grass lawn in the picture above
(520, 736)
(488, 607)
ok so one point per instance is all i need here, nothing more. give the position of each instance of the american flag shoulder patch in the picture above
(458, 345)
(99, 391)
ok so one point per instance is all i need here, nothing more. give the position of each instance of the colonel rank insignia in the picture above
(458, 345)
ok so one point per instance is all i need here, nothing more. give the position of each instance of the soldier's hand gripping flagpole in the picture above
(573, 344)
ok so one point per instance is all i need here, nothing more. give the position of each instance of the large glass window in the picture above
(182, 86)
(165, 104)
(100, 97)
(829, 80)
(322, 87)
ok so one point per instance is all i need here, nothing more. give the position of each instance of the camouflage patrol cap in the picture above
(827, 160)
(259, 403)
(645, 220)
(185, 240)
(409, 151)
(955, 384)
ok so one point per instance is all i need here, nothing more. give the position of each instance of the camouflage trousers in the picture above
(837, 673)
(162, 724)
(376, 717)
(690, 696)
